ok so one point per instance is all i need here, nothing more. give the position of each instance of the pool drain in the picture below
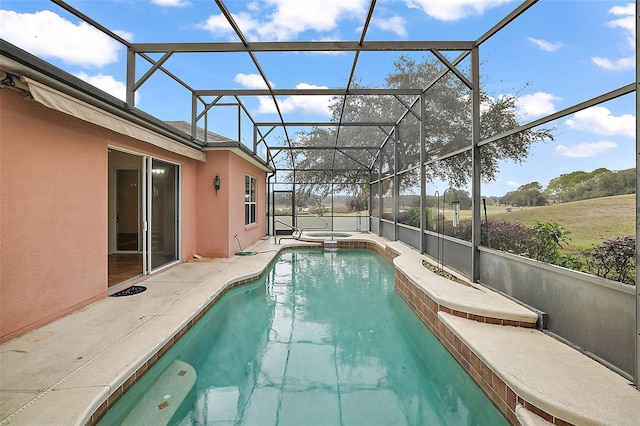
(130, 291)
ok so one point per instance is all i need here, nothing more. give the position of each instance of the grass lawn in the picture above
(589, 221)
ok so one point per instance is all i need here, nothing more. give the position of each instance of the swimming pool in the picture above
(322, 338)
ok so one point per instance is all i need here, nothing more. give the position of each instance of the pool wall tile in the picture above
(97, 415)
(114, 397)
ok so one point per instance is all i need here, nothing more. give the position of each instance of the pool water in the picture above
(321, 339)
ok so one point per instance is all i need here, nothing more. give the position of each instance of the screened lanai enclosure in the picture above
(415, 155)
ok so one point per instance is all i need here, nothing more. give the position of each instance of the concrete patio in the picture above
(61, 373)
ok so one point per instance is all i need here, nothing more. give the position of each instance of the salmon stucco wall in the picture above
(212, 213)
(188, 212)
(53, 217)
(248, 234)
(54, 211)
(220, 217)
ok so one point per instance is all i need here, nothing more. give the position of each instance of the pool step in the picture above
(161, 402)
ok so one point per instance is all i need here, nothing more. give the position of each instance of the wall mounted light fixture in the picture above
(216, 183)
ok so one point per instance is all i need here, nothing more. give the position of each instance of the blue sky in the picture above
(560, 52)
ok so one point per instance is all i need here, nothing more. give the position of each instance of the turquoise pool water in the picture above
(321, 339)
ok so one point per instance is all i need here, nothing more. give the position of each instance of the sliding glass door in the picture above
(163, 217)
(143, 215)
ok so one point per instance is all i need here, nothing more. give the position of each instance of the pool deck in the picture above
(59, 374)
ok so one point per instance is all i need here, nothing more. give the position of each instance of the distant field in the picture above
(590, 221)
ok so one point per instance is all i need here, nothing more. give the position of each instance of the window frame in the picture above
(250, 201)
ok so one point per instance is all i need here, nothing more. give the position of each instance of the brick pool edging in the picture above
(499, 392)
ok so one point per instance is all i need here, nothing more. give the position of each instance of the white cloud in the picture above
(453, 10)
(108, 84)
(626, 22)
(48, 35)
(286, 19)
(513, 184)
(621, 64)
(585, 149)
(547, 46)
(307, 104)
(395, 24)
(171, 3)
(599, 120)
(219, 26)
(485, 104)
(125, 35)
(537, 104)
(251, 81)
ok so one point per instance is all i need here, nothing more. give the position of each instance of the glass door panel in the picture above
(163, 236)
(127, 207)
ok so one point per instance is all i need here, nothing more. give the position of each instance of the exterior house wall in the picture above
(188, 211)
(212, 208)
(54, 211)
(251, 233)
(220, 217)
(53, 199)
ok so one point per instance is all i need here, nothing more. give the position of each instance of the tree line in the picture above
(574, 186)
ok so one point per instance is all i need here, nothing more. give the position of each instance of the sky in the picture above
(557, 54)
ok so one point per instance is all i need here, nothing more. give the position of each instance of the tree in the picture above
(302, 199)
(357, 203)
(616, 183)
(447, 128)
(530, 193)
(575, 185)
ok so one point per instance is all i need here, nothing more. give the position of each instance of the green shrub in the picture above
(411, 217)
(615, 259)
(546, 241)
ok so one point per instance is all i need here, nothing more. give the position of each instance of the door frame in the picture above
(286, 231)
(145, 209)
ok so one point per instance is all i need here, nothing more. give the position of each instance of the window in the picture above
(249, 200)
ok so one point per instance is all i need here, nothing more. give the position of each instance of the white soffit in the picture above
(69, 105)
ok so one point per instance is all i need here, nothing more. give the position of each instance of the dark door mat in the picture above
(130, 291)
